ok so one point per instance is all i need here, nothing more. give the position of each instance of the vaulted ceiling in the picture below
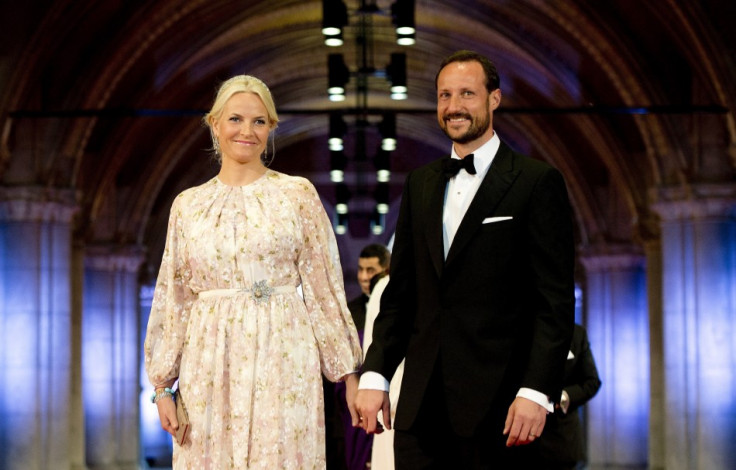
(631, 99)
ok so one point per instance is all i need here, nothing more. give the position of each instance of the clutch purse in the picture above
(183, 418)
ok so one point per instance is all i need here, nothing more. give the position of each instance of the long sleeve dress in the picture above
(228, 323)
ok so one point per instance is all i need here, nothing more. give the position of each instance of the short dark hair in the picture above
(493, 82)
(376, 250)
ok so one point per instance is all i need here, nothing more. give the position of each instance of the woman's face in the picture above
(242, 129)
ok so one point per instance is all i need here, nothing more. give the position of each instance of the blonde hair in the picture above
(233, 86)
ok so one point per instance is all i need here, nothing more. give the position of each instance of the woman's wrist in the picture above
(161, 393)
(345, 377)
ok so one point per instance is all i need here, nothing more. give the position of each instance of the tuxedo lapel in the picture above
(496, 183)
(434, 198)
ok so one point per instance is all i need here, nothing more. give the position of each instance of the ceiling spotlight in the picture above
(387, 128)
(334, 18)
(396, 74)
(338, 128)
(337, 176)
(377, 223)
(338, 76)
(343, 196)
(402, 13)
(334, 41)
(406, 39)
(382, 162)
(381, 194)
(341, 224)
(337, 167)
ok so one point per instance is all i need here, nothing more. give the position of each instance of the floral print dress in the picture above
(228, 322)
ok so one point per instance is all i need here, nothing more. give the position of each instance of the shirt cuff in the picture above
(373, 381)
(537, 397)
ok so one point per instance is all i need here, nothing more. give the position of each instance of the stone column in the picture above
(110, 349)
(36, 360)
(657, 412)
(616, 313)
(698, 228)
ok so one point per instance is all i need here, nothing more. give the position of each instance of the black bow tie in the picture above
(451, 166)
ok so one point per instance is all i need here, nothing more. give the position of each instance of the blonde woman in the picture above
(227, 323)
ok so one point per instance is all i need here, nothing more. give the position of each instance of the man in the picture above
(562, 445)
(374, 260)
(481, 295)
(382, 455)
(351, 444)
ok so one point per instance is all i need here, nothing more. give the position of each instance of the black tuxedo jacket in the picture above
(562, 439)
(357, 308)
(498, 314)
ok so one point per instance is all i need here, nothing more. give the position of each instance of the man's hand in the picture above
(367, 405)
(524, 422)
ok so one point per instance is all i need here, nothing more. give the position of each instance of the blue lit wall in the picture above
(156, 444)
(699, 337)
(36, 367)
(617, 324)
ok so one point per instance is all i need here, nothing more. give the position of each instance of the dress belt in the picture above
(260, 291)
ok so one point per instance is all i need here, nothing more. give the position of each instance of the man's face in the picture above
(367, 268)
(464, 106)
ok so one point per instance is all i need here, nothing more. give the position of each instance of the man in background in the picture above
(562, 444)
(350, 444)
(374, 260)
(382, 457)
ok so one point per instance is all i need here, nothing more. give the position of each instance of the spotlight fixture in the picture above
(382, 162)
(381, 195)
(387, 128)
(343, 196)
(337, 166)
(396, 74)
(338, 76)
(406, 40)
(378, 223)
(338, 128)
(334, 21)
(341, 224)
(334, 40)
(402, 13)
(334, 18)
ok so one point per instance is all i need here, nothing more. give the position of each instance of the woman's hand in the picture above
(167, 415)
(351, 389)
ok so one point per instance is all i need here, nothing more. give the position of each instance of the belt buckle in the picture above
(261, 291)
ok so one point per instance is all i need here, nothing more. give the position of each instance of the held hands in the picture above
(167, 415)
(367, 405)
(524, 422)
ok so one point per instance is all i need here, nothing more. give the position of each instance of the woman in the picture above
(227, 321)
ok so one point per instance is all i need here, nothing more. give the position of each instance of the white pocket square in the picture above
(490, 220)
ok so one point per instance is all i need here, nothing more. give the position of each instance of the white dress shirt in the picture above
(462, 187)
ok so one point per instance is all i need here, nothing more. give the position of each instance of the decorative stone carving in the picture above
(37, 204)
(114, 258)
(695, 202)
